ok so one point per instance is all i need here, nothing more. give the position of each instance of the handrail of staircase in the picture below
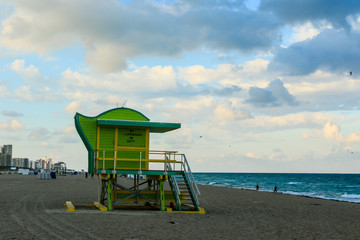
(176, 185)
(190, 174)
(173, 179)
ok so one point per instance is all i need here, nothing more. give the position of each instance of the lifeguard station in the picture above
(118, 145)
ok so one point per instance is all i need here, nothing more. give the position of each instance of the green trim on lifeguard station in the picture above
(155, 127)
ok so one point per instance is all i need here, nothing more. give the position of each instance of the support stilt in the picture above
(162, 195)
(103, 191)
(110, 188)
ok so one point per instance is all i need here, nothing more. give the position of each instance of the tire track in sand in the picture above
(30, 214)
(70, 229)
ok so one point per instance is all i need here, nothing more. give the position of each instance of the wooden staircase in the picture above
(184, 189)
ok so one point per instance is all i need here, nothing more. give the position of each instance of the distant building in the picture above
(6, 155)
(5, 160)
(45, 163)
(36, 164)
(20, 162)
(7, 149)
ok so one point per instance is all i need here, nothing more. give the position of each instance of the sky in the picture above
(258, 86)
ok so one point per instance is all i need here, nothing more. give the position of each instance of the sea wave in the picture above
(354, 196)
(294, 183)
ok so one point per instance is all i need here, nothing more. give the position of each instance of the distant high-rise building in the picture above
(45, 163)
(20, 162)
(5, 160)
(5, 156)
(7, 149)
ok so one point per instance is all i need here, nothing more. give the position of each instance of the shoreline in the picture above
(279, 192)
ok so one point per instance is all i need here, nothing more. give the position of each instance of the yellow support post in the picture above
(70, 206)
(100, 206)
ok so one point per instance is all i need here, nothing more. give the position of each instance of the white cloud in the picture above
(353, 137)
(199, 74)
(30, 93)
(255, 66)
(278, 155)
(69, 130)
(302, 32)
(227, 112)
(30, 74)
(297, 120)
(104, 59)
(223, 73)
(332, 131)
(182, 138)
(354, 21)
(254, 155)
(188, 110)
(73, 107)
(153, 79)
(25, 93)
(13, 125)
(4, 91)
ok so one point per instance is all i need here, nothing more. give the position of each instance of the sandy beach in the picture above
(34, 209)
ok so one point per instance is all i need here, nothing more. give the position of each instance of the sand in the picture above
(31, 208)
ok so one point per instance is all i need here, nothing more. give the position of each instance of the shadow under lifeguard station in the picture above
(118, 144)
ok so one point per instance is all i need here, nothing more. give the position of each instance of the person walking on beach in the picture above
(257, 187)
(275, 189)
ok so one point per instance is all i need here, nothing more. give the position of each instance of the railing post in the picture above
(140, 165)
(174, 161)
(114, 162)
(97, 161)
(103, 160)
(165, 165)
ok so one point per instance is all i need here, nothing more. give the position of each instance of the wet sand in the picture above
(31, 208)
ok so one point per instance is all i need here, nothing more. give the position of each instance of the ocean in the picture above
(341, 187)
